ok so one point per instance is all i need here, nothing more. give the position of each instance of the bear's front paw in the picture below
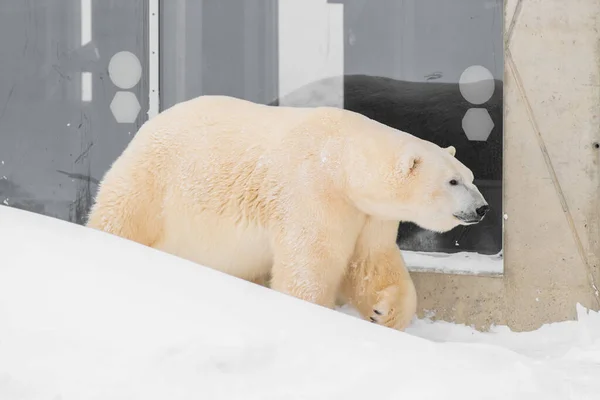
(395, 307)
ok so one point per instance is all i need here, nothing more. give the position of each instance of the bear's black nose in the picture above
(481, 211)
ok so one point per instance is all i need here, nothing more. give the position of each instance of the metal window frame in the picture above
(153, 58)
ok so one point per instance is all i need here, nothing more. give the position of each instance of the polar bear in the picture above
(309, 198)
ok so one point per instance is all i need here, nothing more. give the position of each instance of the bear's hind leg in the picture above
(126, 210)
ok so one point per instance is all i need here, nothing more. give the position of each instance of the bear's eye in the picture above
(453, 182)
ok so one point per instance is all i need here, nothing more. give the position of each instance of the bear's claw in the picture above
(374, 318)
(390, 308)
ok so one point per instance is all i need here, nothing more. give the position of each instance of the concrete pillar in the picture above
(551, 178)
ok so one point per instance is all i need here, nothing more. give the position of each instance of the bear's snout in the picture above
(481, 211)
(473, 215)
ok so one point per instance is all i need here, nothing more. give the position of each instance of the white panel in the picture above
(86, 22)
(311, 47)
(86, 87)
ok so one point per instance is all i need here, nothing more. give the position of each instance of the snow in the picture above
(86, 315)
(461, 263)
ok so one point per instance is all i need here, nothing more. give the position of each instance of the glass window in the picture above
(76, 74)
(433, 68)
(72, 95)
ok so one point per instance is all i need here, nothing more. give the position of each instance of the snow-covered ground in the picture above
(85, 315)
(461, 263)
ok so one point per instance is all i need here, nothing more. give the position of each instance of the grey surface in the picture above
(53, 147)
(226, 47)
(422, 40)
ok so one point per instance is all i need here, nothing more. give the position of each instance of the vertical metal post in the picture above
(153, 58)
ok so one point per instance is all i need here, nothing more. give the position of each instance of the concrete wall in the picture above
(552, 176)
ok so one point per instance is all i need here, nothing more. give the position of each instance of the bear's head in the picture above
(401, 177)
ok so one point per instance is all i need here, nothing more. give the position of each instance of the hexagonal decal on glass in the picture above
(125, 107)
(477, 124)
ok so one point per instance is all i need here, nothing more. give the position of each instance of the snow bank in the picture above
(461, 263)
(85, 315)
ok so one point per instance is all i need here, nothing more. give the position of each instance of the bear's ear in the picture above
(451, 150)
(409, 163)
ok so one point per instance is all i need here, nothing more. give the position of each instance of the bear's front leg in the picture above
(310, 262)
(377, 282)
(395, 305)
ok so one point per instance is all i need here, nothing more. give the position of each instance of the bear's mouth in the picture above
(467, 220)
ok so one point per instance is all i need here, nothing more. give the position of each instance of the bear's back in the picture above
(249, 123)
(222, 116)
